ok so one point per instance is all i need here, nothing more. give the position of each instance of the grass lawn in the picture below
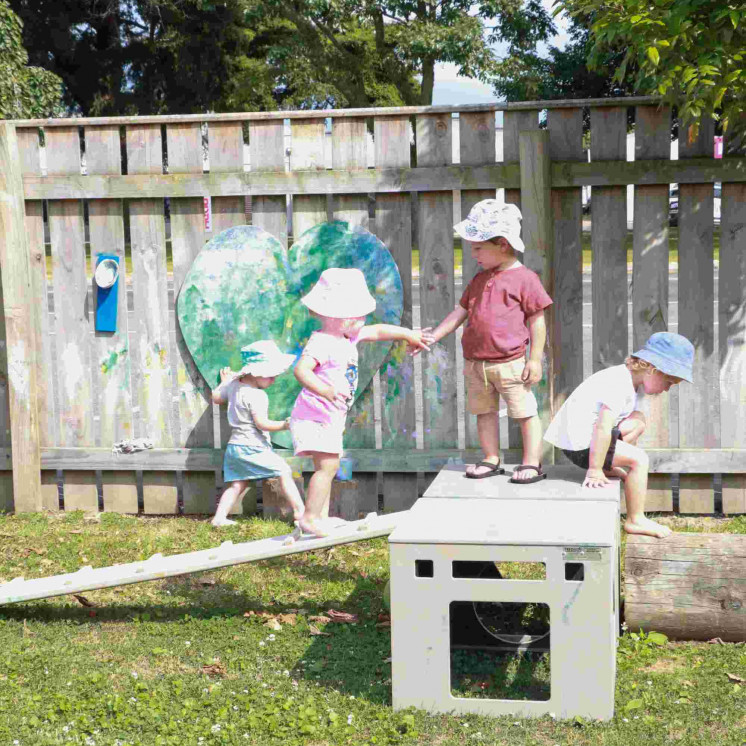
(180, 662)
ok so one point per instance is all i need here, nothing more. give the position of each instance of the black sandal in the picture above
(523, 467)
(495, 470)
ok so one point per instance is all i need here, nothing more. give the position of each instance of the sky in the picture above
(452, 90)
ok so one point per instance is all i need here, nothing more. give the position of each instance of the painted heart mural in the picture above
(244, 286)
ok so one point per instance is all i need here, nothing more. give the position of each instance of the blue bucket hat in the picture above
(670, 353)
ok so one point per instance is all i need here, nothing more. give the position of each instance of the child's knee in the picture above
(640, 460)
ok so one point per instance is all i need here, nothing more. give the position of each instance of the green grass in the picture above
(178, 662)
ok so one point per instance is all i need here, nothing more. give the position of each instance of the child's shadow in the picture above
(352, 658)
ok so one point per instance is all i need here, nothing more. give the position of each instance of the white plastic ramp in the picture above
(158, 567)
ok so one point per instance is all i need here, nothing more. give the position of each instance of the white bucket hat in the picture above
(340, 294)
(491, 219)
(264, 358)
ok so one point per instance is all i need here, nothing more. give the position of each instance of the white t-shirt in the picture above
(245, 401)
(572, 427)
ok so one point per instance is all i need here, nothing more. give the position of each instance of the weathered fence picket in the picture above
(140, 381)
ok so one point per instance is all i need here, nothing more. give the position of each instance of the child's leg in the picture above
(292, 495)
(531, 437)
(489, 440)
(319, 489)
(635, 488)
(232, 492)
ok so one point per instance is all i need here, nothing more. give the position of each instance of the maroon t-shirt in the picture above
(498, 303)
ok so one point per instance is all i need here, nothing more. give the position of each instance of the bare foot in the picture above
(309, 526)
(646, 527)
(222, 523)
(298, 511)
(616, 471)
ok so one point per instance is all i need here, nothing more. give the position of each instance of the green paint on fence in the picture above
(244, 286)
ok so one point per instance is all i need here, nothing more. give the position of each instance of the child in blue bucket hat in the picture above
(599, 425)
(249, 453)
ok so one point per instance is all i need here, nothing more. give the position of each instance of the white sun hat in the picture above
(492, 219)
(264, 358)
(340, 294)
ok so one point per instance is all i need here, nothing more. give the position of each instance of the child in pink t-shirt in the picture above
(504, 309)
(327, 370)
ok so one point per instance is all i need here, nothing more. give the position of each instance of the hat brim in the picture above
(356, 309)
(665, 364)
(477, 235)
(270, 368)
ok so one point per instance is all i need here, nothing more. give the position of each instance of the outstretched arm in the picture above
(450, 323)
(600, 440)
(420, 340)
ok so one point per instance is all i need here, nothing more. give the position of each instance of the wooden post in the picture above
(21, 335)
(536, 182)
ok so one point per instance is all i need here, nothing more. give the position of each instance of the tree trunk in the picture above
(428, 81)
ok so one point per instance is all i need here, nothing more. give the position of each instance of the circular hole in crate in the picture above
(513, 623)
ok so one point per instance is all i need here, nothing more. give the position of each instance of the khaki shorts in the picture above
(484, 381)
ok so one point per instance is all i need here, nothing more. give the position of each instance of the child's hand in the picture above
(287, 424)
(225, 374)
(531, 372)
(419, 340)
(595, 478)
(335, 397)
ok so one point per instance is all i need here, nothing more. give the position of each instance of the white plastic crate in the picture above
(431, 592)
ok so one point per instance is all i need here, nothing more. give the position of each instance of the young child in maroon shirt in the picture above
(504, 305)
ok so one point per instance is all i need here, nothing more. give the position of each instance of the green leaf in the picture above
(653, 55)
(633, 704)
(734, 18)
(657, 638)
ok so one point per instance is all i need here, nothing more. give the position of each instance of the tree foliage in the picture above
(25, 92)
(153, 56)
(138, 56)
(379, 53)
(691, 52)
(564, 73)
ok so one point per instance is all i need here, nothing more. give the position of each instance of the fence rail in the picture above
(134, 187)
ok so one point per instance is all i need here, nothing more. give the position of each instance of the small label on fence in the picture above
(582, 554)
(208, 213)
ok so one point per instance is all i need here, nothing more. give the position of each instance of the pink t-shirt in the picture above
(498, 303)
(336, 364)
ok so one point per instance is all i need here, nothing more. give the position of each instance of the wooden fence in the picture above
(134, 187)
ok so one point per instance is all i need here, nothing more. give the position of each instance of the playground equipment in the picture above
(448, 596)
(158, 567)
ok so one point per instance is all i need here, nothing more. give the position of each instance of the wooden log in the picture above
(393, 225)
(111, 351)
(21, 329)
(688, 586)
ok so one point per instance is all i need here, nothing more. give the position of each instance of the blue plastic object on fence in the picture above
(107, 286)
